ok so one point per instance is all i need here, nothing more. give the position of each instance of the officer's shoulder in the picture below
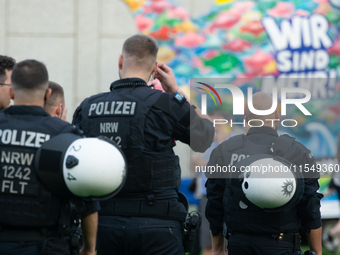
(176, 99)
(145, 93)
(94, 97)
(296, 144)
(232, 143)
(3, 118)
(56, 125)
(300, 149)
(174, 105)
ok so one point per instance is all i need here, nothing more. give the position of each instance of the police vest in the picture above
(253, 220)
(120, 115)
(24, 200)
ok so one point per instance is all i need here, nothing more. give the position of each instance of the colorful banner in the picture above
(292, 43)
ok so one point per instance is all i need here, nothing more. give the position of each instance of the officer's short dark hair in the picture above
(56, 96)
(29, 75)
(143, 49)
(5, 63)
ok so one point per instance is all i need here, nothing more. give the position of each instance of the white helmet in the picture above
(267, 182)
(86, 167)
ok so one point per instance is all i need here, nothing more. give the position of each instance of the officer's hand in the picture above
(84, 252)
(63, 116)
(220, 253)
(167, 78)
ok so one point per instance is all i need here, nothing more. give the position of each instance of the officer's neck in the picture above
(140, 75)
(29, 102)
(275, 127)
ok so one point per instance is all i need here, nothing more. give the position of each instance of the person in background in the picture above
(6, 67)
(55, 104)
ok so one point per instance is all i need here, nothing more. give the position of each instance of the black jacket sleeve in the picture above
(188, 127)
(309, 205)
(77, 117)
(215, 190)
(201, 132)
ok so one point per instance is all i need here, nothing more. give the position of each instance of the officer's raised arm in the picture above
(167, 78)
(191, 126)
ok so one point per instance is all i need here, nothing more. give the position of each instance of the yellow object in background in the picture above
(134, 4)
(165, 54)
(223, 1)
(186, 26)
(270, 67)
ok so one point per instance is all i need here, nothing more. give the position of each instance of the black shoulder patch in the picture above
(178, 97)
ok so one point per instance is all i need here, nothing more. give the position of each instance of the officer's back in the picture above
(30, 215)
(252, 230)
(145, 217)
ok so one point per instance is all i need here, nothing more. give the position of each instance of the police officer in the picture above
(252, 230)
(55, 104)
(145, 217)
(6, 66)
(32, 219)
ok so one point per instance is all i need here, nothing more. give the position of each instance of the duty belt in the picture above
(293, 238)
(163, 209)
(289, 237)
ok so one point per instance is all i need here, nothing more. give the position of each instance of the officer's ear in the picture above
(246, 123)
(58, 110)
(47, 94)
(11, 93)
(120, 62)
(154, 70)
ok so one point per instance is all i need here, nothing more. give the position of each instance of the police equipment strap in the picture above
(170, 210)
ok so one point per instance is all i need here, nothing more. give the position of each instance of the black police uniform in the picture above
(32, 219)
(144, 218)
(253, 231)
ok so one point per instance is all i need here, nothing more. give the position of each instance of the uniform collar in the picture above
(262, 130)
(128, 82)
(25, 110)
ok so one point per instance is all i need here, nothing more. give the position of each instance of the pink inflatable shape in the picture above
(143, 22)
(238, 45)
(178, 13)
(335, 49)
(282, 9)
(255, 64)
(190, 40)
(157, 6)
(226, 19)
